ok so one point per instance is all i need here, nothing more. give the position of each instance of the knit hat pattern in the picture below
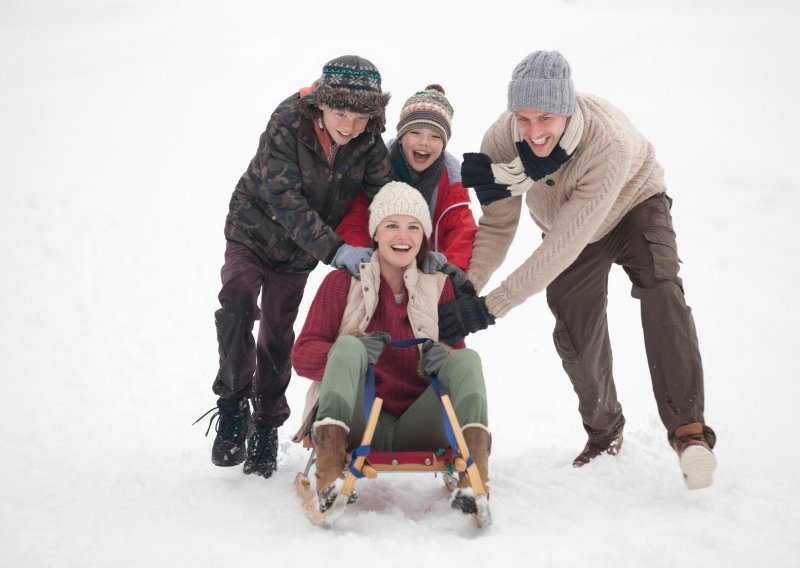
(542, 81)
(352, 83)
(398, 198)
(428, 108)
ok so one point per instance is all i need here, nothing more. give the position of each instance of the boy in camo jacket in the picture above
(322, 146)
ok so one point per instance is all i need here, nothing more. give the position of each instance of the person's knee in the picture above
(348, 350)
(661, 292)
(238, 300)
(464, 367)
(464, 357)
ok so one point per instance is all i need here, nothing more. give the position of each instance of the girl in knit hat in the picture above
(418, 158)
(349, 324)
(321, 147)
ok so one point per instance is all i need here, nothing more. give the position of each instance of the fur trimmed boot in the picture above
(330, 443)
(479, 442)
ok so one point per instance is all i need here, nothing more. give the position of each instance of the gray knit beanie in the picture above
(398, 198)
(542, 81)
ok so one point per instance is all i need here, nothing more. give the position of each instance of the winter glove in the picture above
(463, 316)
(351, 257)
(476, 169)
(476, 172)
(433, 357)
(374, 343)
(434, 262)
(537, 167)
(459, 278)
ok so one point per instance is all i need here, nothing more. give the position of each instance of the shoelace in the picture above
(215, 415)
(221, 418)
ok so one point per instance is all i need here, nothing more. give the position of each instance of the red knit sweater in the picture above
(397, 379)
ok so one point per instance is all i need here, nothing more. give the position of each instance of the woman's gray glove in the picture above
(375, 342)
(433, 357)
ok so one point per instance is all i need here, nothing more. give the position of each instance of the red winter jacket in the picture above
(454, 226)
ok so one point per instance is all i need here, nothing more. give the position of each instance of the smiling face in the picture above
(399, 239)
(541, 130)
(342, 125)
(421, 147)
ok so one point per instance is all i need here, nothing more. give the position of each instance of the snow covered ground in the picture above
(124, 127)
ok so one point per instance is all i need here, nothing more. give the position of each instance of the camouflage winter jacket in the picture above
(289, 200)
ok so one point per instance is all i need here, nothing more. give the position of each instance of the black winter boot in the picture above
(233, 419)
(262, 451)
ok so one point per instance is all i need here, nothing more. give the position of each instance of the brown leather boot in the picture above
(696, 458)
(594, 448)
(330, 443)
(479, 442)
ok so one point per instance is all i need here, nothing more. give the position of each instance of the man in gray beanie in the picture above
(592, 184)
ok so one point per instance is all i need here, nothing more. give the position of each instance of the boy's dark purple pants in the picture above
(257, 370)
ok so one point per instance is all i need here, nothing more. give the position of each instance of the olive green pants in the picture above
(418, 428)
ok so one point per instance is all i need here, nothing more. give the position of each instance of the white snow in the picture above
(124, 127)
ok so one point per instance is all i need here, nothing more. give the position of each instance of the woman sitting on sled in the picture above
(349, 325)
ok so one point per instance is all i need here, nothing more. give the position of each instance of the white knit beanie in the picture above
(398, 198)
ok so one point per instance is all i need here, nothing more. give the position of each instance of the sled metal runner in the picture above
(370, 465)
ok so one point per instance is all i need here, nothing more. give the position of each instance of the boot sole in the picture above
(228, 463)
(698, 465)
(230, 459)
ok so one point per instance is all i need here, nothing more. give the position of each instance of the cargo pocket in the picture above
(664, 251)
(566, 350)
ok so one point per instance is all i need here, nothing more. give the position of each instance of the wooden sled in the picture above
(372, 463)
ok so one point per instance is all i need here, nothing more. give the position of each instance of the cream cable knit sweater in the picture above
(612, 170)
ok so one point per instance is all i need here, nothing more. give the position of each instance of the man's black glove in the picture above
(490, 193)
(433, 357)
(476, 172)
(459, 278)
(375, 342)
(463, 316)
(476, 169)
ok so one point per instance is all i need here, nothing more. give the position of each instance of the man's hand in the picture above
(463, 316)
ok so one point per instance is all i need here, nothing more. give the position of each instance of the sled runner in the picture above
(365, 463)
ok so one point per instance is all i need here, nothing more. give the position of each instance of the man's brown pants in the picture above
(644, 244)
